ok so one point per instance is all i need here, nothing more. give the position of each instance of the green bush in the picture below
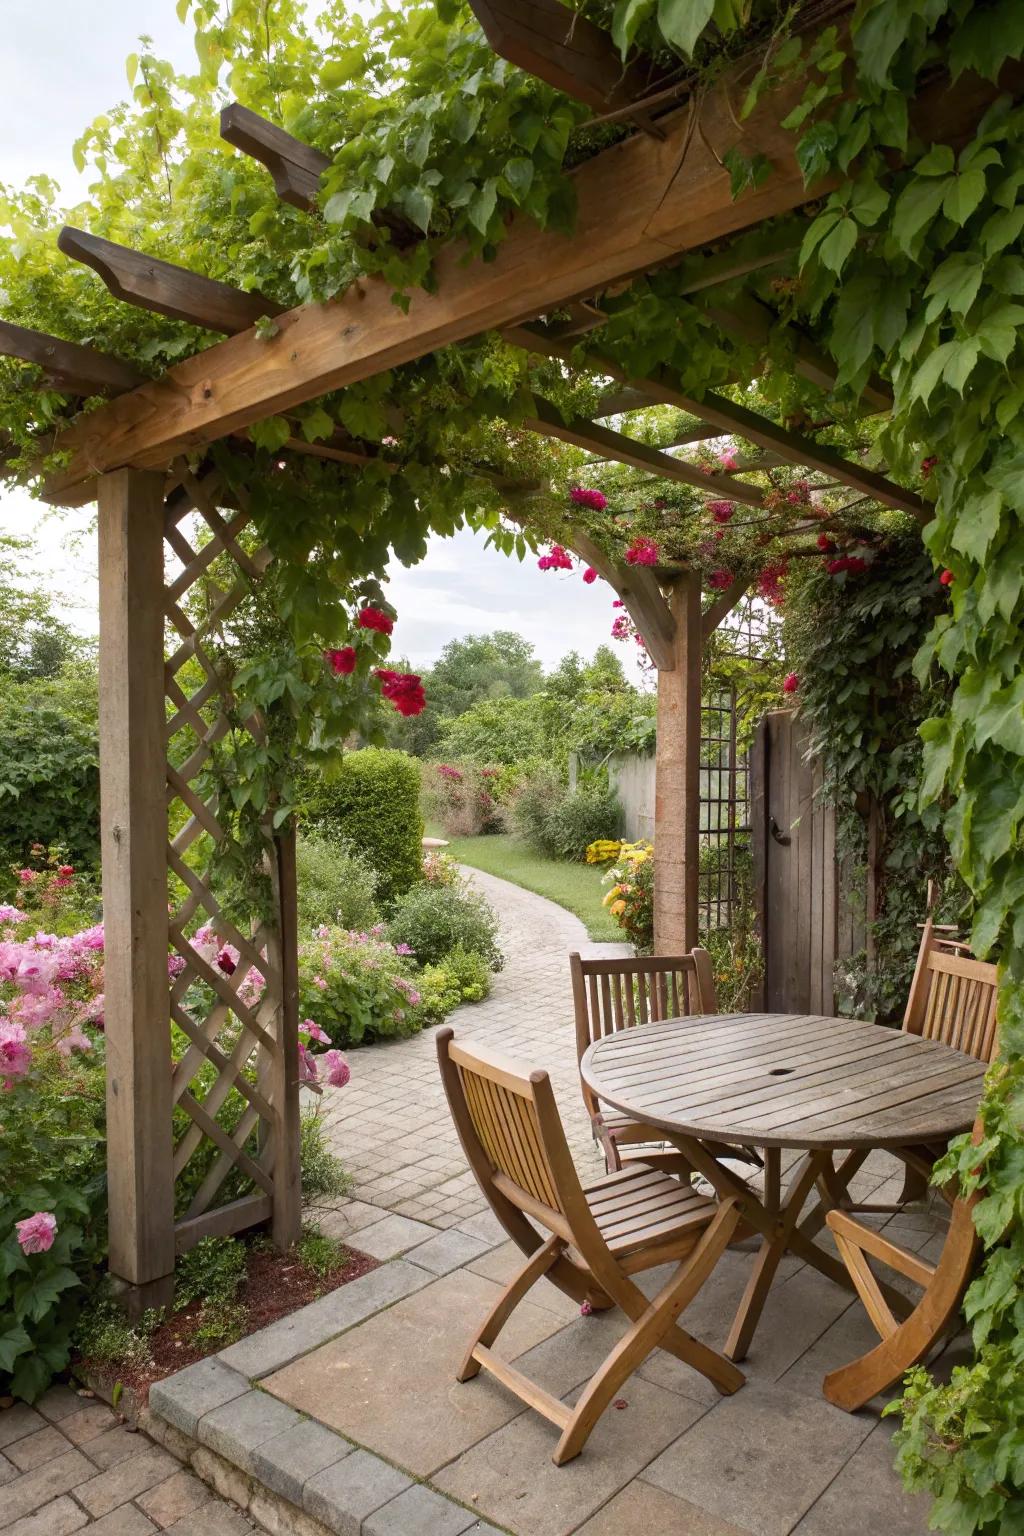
(211, 1272)
(49, 767)
(337, 884)
(433, 921)
(372, 802)
(561, 824)
(357, 987)
(469, 971)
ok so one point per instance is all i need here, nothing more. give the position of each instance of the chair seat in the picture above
(642, 1207)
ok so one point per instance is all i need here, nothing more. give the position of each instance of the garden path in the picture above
(390, 1126)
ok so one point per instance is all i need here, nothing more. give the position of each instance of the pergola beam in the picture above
(561, 47)
(594, 438)
(722, 606)
(164, 288)
(70, 367)
(295, 167)
(728, 417)
(641, 593)
(639, 204)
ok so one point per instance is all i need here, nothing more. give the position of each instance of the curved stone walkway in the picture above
(390, 1126)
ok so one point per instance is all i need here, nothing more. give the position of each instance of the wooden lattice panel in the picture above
(236, 1061)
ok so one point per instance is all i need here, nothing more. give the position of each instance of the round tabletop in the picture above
(783, 1079)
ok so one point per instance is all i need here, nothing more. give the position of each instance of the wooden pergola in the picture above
(659, 194)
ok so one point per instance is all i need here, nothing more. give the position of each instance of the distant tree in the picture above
(34, 642)
(605, 672)
(495, 666)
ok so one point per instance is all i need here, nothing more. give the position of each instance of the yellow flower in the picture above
(617, 908)
(615, 890)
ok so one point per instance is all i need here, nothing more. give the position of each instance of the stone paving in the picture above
(345, 1419)
(70, 1463)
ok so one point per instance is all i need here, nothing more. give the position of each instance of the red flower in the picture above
(720, 579)
(589, 575)
(721, 511)
(66, 869)
(769, 583)
(403, 689)
(643, 552)
(376, 618)
(595, 500)
(341, 662)
(790, 683)
(946, 578)
(556, 559)
(927, 465)
(621, 627)
(618, 603)
(825, 543)
(852, 563)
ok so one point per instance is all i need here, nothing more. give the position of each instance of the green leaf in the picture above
(271, 433)
(937, 162)
(35, 1299)
(815, 149)
(869, 201)
(317, 424)
(13, 1341)
(1001, 230)
(930, 372)
(837, 245)
(519, 175)
(683, 21)
(131, 67)
(628, 17)
(1001, 719)
(977, 524)
(482, 206)
(939, 743)
(418, 203)
(880, 35)
(954, 285)
(964, 193)
(916, 206)
(961, 363)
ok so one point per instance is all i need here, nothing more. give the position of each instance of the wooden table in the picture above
(819, 1085)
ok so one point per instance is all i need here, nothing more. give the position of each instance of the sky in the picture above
(64, 64)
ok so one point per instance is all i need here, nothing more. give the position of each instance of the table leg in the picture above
(773, 1246)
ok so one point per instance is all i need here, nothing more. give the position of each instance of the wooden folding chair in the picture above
(953, 1000)
(610, 995)
(597, 1237)
(903, 1343)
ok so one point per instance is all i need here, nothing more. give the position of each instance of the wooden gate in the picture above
(806, 925)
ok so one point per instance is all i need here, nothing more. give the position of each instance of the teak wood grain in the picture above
(598, 1236)
(787, 1080)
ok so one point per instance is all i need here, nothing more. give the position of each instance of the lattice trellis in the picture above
(234, 1081)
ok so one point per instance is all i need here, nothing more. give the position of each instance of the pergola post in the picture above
(133, 790)
(677, 777)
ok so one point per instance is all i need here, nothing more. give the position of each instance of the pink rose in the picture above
(15, 1056)
(36, 1233)
(314, 1032)
(338, 1070)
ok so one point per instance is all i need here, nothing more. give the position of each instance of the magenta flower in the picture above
(728, 459)
(36, 1233)
(338, 1069)
(583, 497)
(589, 575)
(313, 1031)
(15, 1056)
(9, 914)
(557, 559)
(643, 552)
(403, 949)
(790, 683)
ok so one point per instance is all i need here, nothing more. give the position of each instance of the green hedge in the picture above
(373, 802)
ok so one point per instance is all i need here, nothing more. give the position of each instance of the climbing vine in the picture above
(908, 267)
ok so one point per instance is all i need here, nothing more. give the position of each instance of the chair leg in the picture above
(656, 1325)
(535, 1267)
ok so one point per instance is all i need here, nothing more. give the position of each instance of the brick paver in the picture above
(78, 1468)
(796, 1464)
(391, 1127)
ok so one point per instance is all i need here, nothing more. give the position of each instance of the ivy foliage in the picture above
(909, 269)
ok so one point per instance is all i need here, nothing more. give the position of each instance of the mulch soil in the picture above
(275, 1285)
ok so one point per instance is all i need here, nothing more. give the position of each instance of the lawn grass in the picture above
(577, 887)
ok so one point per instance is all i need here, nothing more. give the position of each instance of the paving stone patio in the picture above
(345, 1418)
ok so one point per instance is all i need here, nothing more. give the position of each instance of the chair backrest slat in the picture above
(953, 997)
(609, 995)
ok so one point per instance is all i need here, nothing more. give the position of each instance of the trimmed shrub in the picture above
(560, 824)
(372, 803)
(337, 885)
(434, 920)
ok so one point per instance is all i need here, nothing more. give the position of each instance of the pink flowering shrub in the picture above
(52, 1187)
(461, 798)
(357, 986)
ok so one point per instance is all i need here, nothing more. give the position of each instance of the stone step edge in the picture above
(274, 1512)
